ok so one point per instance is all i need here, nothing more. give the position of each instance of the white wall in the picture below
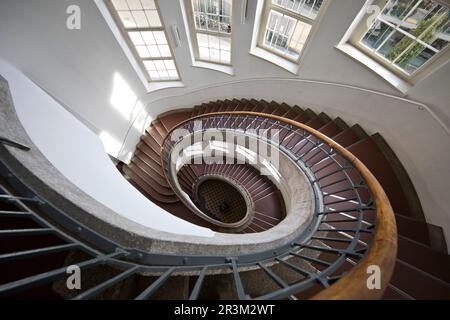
(80, 156)
(79, 68)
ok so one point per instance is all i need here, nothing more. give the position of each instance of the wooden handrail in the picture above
(383, 249)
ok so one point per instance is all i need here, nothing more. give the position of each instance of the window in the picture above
(406, 35)
(212, 26)
(287, 26)
(141, 25)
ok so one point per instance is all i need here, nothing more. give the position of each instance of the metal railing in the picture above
(341, 237)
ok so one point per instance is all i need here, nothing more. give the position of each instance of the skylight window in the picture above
(212, 24)
(287, 26)
(408, 34)
(141, 24)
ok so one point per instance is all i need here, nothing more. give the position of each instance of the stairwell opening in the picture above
(221, 200)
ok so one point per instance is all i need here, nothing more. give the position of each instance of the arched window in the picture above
(142, 27)
(211, 30)
(286, 26)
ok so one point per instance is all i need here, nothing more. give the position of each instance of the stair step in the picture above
(393, 293)
(150, 162)
(316, 123)
(330, 129)
(310, 113)
(402, 176)
(267, 107)
(413, 229)
(424, 258)
(153, 175)
(160, 128)
(150, 142)
(172, 119)
(427, 234)
(146, 189)
(153, 132)
(150, 152)
(256, 107)
(270, 206)
(195, 111)
(367, 151)
(417, 283)
(347, 137)
(143, 175)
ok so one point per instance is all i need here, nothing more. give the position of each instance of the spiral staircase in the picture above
(363, 212)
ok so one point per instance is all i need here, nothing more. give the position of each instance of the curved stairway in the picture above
(421, 271)
(37, 231)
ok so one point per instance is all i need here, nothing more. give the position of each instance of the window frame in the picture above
(269, 6)
(194, 31)
(355, 39)
(124, 32)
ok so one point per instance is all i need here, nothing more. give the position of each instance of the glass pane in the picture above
(396, 10)
(159, 64)
(120, 4)
(225, 44)
(134, 4)
(427, 16)
(298, 39)
(214, 42)
(154, 75)
(212, 23)
(149, 65)
(437, 33)
(160, 37)
(202, 40)
(226, 8)
(140, 18)
(127, 19)
(286, 35)
(142, 51)
(161, 69)
(148, 4)
(150, 45)
(173, 74)
(225, 56)
(204, 53)
(136, 38)
(169, 64)
(396, 44)
(307, 8)
(154, 51)
(376, 35)
(133, 15)
(165, 51)
(414, 58)
(153, 18)
(213, 15)
(214, 48)
(214, 55)
(148, 37)
(419, 30)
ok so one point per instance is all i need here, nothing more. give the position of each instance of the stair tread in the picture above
(172, 119)
(367, 151)
(417, 283)
(148, 190)
(424, 258)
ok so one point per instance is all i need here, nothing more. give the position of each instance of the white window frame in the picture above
(194, 31)
(121, 34)
(352, 45)
(268, 7)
